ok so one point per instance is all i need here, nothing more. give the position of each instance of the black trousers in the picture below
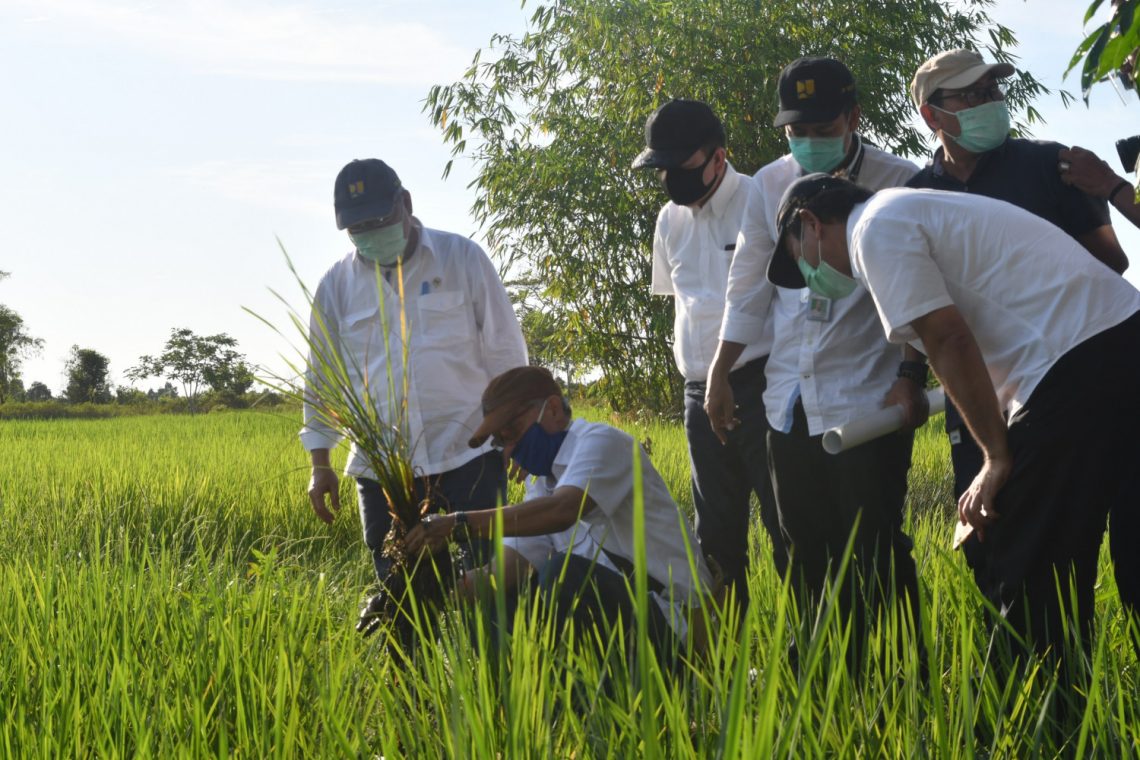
(821, 497)
(578, 589)
(725, 476)
(1075, 465)
(478, 484)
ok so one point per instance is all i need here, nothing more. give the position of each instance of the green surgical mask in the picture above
(384, 245)
(817, 154)
(825, 280)
(983, 127)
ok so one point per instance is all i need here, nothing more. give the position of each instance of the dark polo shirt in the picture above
(1024, 173)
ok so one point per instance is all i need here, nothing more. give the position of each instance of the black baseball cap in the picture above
(675, 131)
(814, 89)
(365, 189)
(782, 268)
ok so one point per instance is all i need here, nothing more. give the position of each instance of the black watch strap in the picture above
(914, 371)
(461, 531)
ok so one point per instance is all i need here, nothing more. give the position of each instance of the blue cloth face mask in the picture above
(817, 154)
(983, 127)
(536, 450)
(383, 245)
(825, 280)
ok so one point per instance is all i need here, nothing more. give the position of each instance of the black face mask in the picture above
(686, 186)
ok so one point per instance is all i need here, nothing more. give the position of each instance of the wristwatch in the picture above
(461, 530)
(914, 371)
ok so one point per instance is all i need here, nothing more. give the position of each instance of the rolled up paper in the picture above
(873, 426)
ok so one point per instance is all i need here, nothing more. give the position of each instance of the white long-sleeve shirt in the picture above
(461, 329)
(825, 353)
(692, 252)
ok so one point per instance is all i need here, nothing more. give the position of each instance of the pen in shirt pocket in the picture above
(425, 288)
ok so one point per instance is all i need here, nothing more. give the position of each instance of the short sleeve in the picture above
(891, 258)
(602, 467)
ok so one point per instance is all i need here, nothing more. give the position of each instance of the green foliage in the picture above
(1106, 49)
(15, 346)
(198, 362)
(37, 391)
(553, 119)
(194, 608)
(87, 377)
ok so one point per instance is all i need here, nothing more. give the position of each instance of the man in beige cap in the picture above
(962, 99)
(583, 481)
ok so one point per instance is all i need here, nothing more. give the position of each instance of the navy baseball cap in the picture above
(814, 89)
(782, 268)
(676, 131)
(365, 189)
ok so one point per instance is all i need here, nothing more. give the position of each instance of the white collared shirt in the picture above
(825, 353)
(461, 329)
(598, 459)
(1028, 292)
(692, 253)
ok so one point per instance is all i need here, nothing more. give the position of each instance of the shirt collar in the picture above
(720, 199)
(938, 170)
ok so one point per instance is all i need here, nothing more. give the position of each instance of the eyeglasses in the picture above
(396, 215)
(974, 97)
(510, 433)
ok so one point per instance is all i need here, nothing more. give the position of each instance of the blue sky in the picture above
(153, 151)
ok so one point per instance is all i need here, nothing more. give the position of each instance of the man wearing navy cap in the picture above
(692, 250)
(828, 364)
(460, 332)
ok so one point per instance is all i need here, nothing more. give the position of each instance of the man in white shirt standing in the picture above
(581, 508)
(692, 251)
(828, 364)
(1038, 345)
(461, 331)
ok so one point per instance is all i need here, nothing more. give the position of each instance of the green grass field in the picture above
(166, 591)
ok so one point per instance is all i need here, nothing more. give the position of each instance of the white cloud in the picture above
(265, 40)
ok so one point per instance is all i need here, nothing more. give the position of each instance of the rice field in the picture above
(166, 591)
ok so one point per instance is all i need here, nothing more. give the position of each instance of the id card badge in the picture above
(819, 308)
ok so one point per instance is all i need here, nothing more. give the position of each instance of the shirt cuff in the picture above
(741, 329)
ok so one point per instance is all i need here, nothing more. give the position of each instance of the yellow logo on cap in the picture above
(356, 188)
(805, 88)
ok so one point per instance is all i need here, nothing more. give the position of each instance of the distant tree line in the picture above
(201, 372)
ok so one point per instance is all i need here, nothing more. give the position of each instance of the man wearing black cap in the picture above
(692, 250)
(460, 332)
(828, 365)
(1023, 328)
(584, 481)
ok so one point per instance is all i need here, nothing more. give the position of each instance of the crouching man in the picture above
(584, 484)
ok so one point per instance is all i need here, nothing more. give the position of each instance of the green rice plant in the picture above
(165, 594)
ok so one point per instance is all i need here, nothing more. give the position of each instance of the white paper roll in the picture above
(872, 426)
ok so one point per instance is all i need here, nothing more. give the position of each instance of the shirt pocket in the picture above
(445, 318)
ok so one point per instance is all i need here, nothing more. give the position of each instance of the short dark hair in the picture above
(832, 205)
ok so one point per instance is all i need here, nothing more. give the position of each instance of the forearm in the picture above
(958, 363)
(320, 458)
(727, 354)
(1123, 199)
(534, 517)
